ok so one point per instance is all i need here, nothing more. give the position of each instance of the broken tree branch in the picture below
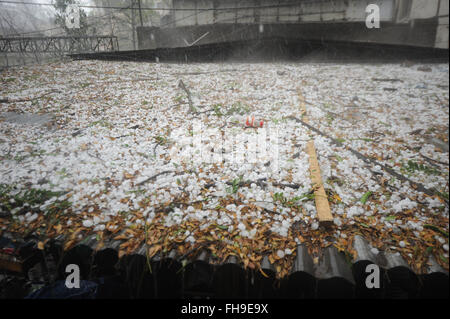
(418, 186)
(386, 80)
(206, 72)
(28, 99)
(261, 182)
(182, 86)
(432, 161)
(153, 177)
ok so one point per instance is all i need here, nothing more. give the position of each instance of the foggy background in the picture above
(35, 18)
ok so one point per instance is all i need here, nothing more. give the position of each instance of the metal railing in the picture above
(59, 45)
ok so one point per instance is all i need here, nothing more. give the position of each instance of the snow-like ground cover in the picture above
(115, 161)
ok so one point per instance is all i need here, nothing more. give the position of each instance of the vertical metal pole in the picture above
(196, 13)
(111, 20)
(140, 13)
(6, 58)
(133, 24)
(214, 11)
(278, 11)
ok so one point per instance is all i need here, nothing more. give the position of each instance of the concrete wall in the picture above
(403, 22)
(356, 10)
(424, 9)
(442, 29)
(304, 11)
(187, 16)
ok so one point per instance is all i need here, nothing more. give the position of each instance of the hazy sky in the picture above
(26, 18)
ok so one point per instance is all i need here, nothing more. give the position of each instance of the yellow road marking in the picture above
(322, 206)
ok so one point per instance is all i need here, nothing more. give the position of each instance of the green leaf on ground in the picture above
(365, 197)
(436, 229)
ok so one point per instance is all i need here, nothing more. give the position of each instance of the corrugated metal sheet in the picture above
(332, 277)
(274, 49)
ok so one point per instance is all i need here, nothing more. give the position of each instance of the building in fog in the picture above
(422, 23)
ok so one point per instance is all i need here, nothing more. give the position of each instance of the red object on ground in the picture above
(252, 122)
(8, 250)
